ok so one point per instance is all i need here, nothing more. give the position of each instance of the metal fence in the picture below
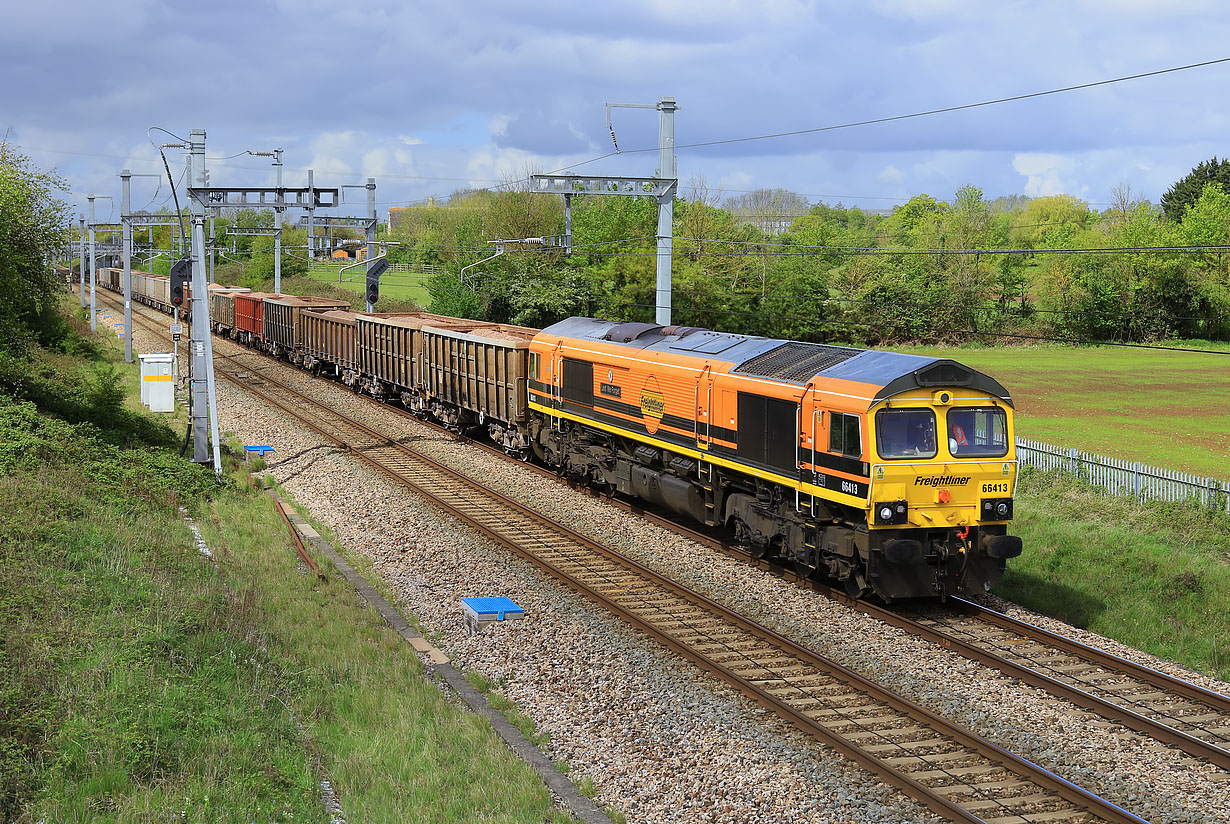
(1120, 477)
(331, 266)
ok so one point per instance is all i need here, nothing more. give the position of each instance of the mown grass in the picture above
(1154, 576)
(397, 288)
(141, 681)
(1163, 408)
(308, 285)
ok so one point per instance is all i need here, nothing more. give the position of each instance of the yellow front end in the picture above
(943, 459)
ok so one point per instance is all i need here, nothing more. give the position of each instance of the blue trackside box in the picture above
(480, 611)
(492, 609)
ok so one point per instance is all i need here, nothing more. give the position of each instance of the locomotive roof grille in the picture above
(796, 362)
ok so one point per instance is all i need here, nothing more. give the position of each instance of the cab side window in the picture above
(533, 365)
(844, 435)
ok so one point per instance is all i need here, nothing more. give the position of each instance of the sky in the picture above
(433, 97)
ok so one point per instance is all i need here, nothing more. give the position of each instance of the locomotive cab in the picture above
(941, 490)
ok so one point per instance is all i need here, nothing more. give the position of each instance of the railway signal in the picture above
(181, 270)
(375, 269)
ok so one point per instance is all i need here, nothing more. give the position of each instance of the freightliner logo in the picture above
(942, 480)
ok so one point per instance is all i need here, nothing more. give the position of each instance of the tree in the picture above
(1186, 191)
(908, 222)
(1122, 203)
(33, 224)
(770, 210)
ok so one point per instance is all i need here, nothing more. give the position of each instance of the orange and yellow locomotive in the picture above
(891, 473)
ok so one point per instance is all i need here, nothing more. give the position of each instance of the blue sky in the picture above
(429, 97)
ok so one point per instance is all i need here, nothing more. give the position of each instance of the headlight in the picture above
(996, 509)
(892, 512)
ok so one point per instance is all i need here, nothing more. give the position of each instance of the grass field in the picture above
(394, 286)
(1163, 408)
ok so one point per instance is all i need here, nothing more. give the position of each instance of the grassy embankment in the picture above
(141, 680)
(1154, 576)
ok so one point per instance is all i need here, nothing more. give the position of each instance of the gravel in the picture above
(661, 740)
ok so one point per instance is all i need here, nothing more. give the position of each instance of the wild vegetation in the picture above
(929, 271)
(140, 680)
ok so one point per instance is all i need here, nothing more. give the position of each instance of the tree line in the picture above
(770, 263)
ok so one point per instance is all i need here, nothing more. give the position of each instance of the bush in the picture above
(104, 394)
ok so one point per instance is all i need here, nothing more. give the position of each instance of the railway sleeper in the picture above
(1014, 783)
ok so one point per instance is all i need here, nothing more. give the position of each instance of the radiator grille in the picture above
(796, 362)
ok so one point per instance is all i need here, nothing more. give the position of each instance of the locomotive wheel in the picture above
(743, 538)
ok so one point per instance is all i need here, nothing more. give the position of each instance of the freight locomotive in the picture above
(892, 474)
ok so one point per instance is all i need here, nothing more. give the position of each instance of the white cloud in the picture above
(330, 151)
(1045, 174)
(511, 86)
(890, 174)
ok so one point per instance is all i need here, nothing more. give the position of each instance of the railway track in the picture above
(1165, 708)
(950, 770)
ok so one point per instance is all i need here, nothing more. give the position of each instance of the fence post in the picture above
(1072, 461)
(1138, 472)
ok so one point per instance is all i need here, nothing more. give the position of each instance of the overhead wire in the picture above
(933, 329)
(930, 112)
(893, 118)
(183, 235)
